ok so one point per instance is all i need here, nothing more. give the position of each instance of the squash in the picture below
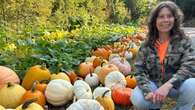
(131, 81)
(121, 95)
(122, 64)
(41, 85)
(1, 107)
(115, 78)
(36, 72)
(134, 49)
(60, 75)
(85, 68)
(34, 94)
(59, 92)
(82, 90)
(105, 70)
(8, 75)
(92, 79)
(99, 91)
(86, 104)
(11, 95)
(29, 105)
(105, 101)
(72, 76)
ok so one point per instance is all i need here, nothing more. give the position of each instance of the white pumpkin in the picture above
(92, 79)
(59, 92)
(115, 78)
(86, 104)
(82, 90)
(99, 91)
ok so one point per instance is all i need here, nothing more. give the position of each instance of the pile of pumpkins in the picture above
(103, 80)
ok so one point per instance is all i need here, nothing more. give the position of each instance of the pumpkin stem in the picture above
(105, 93)
(28, 102)
(9, 84)
(43, 66)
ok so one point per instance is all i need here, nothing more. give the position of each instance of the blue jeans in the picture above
(185, 96)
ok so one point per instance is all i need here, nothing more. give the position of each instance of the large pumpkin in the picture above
(37, 72)
(11, 95)
(82, 90)
(59, 92)
(7, 75)
(86, 104)
(29, 105)
(106, 102)
(105, 70)
(121, 95)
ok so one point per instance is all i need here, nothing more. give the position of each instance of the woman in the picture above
(165, 65)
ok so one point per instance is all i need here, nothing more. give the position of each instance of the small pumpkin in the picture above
(34, 94)
(105, 101)
(59, 92)
(29, 105)
(60, 75)
(11, 95)
(82, 90)
(92, 79)
(131, 81)
(85, 68)
(121, 95)
(41, 85)
(8, 75)
(36, 72)
(72, 76)
(115, 78)
(105, 70)
(134, 49)
(101, 52)
(86, 104)
(99, 91)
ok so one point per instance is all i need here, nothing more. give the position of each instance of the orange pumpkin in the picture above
(42, 85)
(131, 81)
(105, 70)
(85, 68)
(121, 95)
(8, 75)
(34, 94)
(97, 61)
(102, 52)
(72, 76)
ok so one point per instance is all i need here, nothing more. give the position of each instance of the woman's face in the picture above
(165, 20)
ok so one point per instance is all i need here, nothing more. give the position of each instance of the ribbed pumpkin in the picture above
(92, 79)
(106, 102)
(59, 92)
(121, 95)
(34, 94)
(99, 91)
(131, 81)
(29, 105)
(60, 75)
(37, 72)
(11, 95)
(7, 75)
(86, 104)
(105, 70)
(85, 68)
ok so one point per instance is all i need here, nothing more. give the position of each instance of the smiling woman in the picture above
(165, 62)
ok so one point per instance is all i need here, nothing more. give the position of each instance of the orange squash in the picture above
(85, 68)
(7, 75)
(42, 85)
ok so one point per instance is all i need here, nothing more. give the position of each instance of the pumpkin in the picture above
(122, 64)
(121, 95)
(131, 81)
(98, 61)
(37, 72)
(115, 78)
(86, 104)
(29, 105)
(60, 75)
(41, 85)
(11, 95)
(99, 91)
(59, 92)
(8, 75)
(105, 101)
(128, 55)
(72, 76)
(92, 79)
(82, 90)
(105, 70)
(85, 68)
(34, 94)
(101, 52)
(90, 59)
(2, 108)
(134, 49)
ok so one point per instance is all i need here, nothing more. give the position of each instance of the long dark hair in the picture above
(152, 29)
